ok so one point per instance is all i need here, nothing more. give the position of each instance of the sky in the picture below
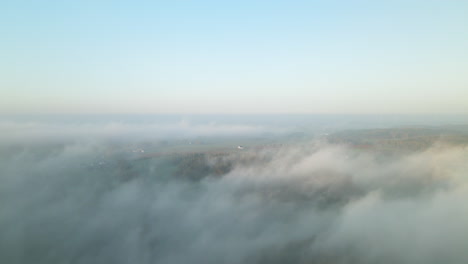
(257, 57)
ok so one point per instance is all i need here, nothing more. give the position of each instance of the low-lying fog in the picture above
(69, 195)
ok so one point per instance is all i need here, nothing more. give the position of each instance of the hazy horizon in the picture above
(232, 132)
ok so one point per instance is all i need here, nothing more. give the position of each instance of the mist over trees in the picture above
(101, 201)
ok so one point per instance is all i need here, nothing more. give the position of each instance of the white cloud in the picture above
(313, 203)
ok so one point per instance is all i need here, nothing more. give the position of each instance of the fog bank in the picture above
(317, 203)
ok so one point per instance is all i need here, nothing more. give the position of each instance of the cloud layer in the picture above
(317, 203)
(58, 131)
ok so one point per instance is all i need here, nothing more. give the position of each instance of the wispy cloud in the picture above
(53, 131)
(314, 203)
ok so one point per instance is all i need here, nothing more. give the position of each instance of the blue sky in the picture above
(234, 57)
